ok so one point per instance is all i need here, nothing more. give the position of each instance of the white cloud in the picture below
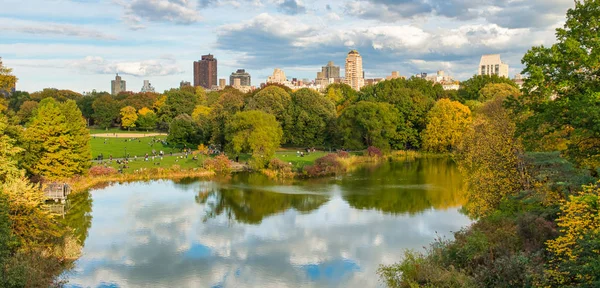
(152, 67)
(50, 29)
(174, 11)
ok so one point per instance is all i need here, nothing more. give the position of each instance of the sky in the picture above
(81, 44)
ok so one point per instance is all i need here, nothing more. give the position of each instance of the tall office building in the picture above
(354, 70)
(205, 72)
(492, 65)
(118, 85)
(242, 75)
(330, 71)
(277, 77)
(147, 86)
(222, 83)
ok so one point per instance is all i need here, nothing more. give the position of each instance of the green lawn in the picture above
(117, 130)
(298, 162)
(119, 147)
(166, 162)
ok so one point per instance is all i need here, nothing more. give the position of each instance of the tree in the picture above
(470, 89)
(228, 104)
(561, 91)
(128, 117)
(493, 90)
(140, 100)
(7, 80)
(369, 124)
(183, 131)
(202, 117)
(55, 148)
(178, 102)
(106, 111)
(275, 101)
(56, 94)
(491, 159)
(80, 137)
(16, 100)
(26, 111)
(342, 95)
(446, 124)
(574, 254)
(146, 119)
(254, 132)
(313, 117)
(412, 98)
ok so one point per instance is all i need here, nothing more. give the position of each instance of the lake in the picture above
(248, 231)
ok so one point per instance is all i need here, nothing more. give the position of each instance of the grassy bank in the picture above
(95, 130)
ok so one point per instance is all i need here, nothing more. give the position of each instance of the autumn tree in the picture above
(254, 132)
(128, 117)
(491, 159)
(202, 118)
(55, 141)
(313, 117)
(561, 91)
(342, 95)
(146, 119)
(470, 89)
(446, 124)
(574, 254)
(493, 90)
(369, 124)
(56, 94)
(228, 104)
(26, 111)
(7, 80)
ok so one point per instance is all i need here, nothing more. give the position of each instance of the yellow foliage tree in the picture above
(144, 111)
(7, 80)
(128, 117)
(201, 112)
(579, 217)
(159, 103)
(490, 158)
(446, 124)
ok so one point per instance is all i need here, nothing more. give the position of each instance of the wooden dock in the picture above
(57, 191)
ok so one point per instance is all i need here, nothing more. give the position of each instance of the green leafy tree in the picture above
(470, 89)
(147, 119)
(128, 117)
(177, 102)
(369, 124)
(272, 100)
(79, 136)
(561, 91)
(313, 118)
(254, 132)
(183, 131)
(228, 104)
(493, 90)
(412, 98)
(447, 121)
(202, 117)
(106, 111)
(17, 99)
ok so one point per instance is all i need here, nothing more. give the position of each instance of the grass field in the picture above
(298, 162)
(117, 130)
(166, 162)
(119, 147)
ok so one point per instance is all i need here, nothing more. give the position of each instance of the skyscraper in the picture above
(117, 86)
(330, 71)
(147, 87)
(242, 75)
(205, 72)
(277, 77)
(354, 70)
(492, 65)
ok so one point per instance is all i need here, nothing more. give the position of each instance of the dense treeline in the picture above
(530, 160)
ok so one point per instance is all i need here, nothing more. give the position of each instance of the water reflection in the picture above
(247, 231)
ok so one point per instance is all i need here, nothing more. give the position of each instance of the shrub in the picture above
(326, 165)
(102, 171)
(373, 151)
(219, 164)
(343, 154)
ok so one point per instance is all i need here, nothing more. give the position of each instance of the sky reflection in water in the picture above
(250, 232)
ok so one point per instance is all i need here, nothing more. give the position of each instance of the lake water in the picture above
(247, 231)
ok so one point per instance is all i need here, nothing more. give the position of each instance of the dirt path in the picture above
(128, 135)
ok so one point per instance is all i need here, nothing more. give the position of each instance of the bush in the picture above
(326, 165)
(343, 154)
(102, 171)
(219, 164)
(373, 151)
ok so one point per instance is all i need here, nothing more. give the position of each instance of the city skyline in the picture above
(82, 49)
